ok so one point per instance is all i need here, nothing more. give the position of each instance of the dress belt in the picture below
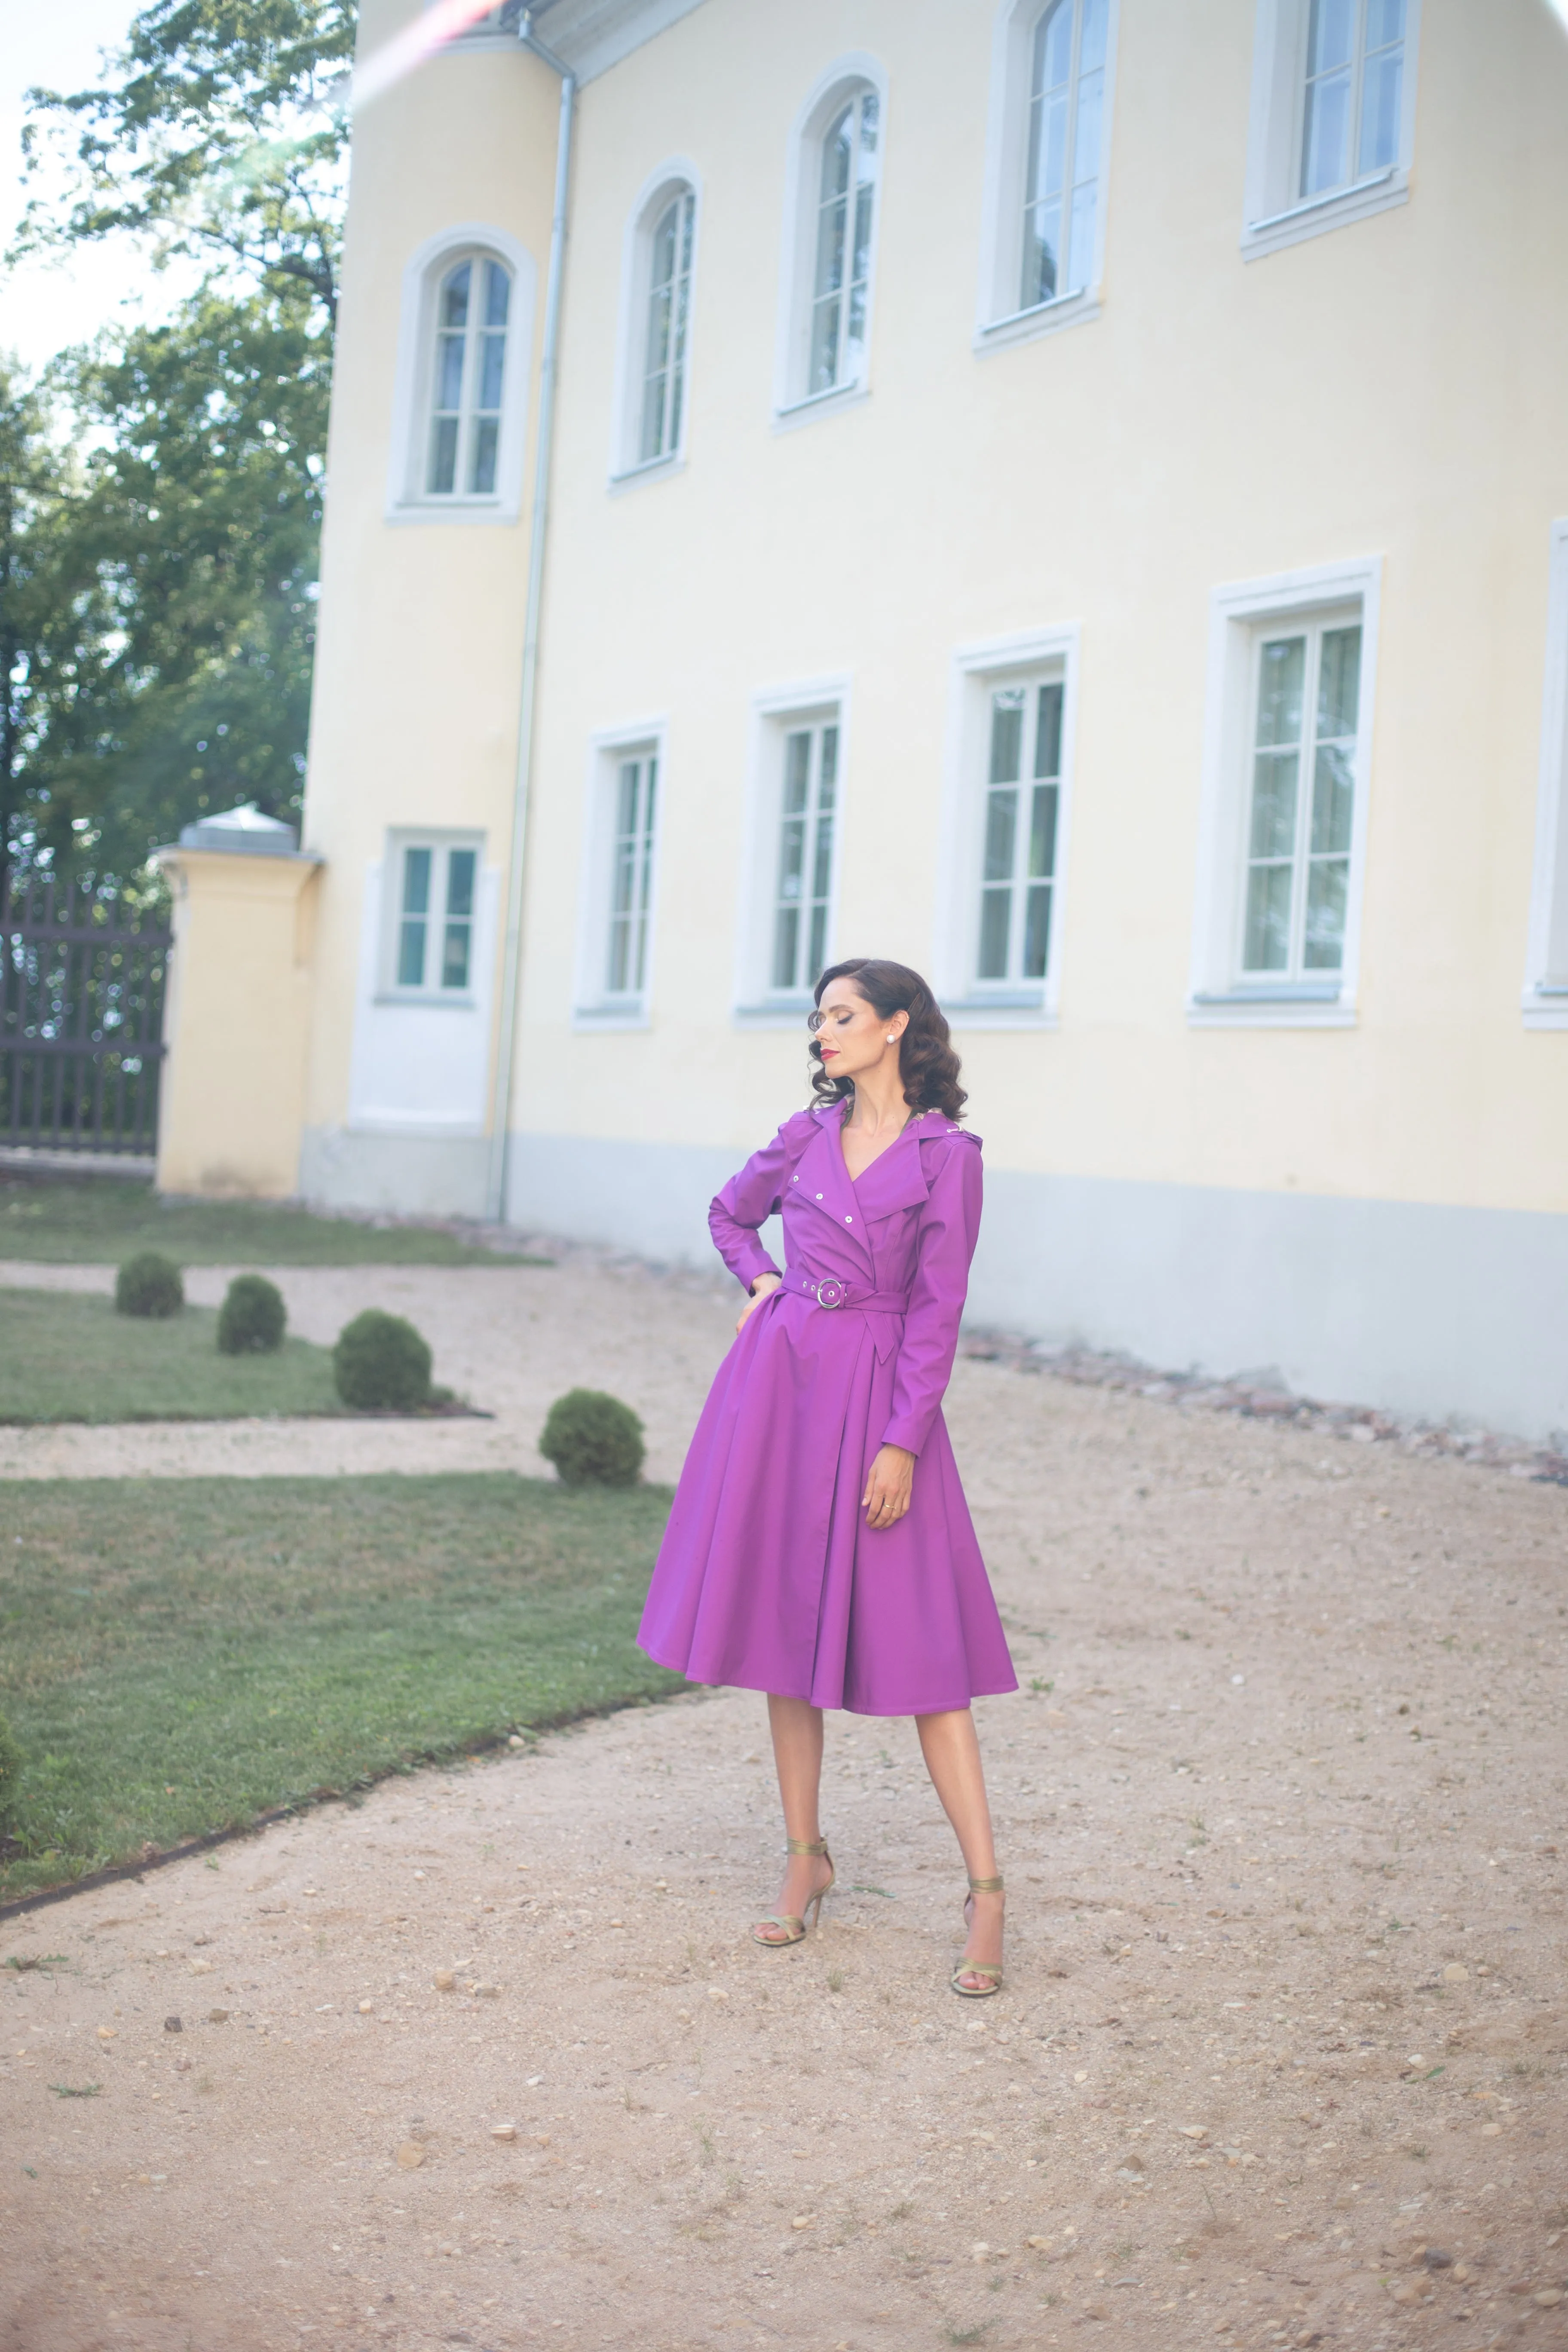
(827, 1290)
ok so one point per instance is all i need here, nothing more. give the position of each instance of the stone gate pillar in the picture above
(237, 1012)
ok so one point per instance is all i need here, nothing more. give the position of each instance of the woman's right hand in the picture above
(759, 1289)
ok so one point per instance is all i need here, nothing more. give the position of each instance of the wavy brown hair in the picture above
(927, 1061)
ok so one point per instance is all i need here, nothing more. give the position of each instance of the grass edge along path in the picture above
(49, 1218)
(67, 1356)
(179, 1657)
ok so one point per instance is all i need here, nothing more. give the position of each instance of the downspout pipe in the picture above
(506, 1030)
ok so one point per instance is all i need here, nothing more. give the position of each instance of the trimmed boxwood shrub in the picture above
(593, 1439)
(10, 1776)
(252, 1319)
(149, 1283)
(381, 1364)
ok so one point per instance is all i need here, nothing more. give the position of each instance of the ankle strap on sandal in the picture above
(805, 1845)
(986, 1886)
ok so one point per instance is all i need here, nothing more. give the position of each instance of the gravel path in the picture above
(1280, 2056)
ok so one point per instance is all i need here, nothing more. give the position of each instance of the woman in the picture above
(819, 1548)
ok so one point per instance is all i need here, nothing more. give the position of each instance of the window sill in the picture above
(1545, 1006)
(1291, 1005)
(1043, 318)
(632, 1013)
(451, 1000)
(795, 413)
(775, 1012)
(655, 469)
(1337, 208)
(466, 511)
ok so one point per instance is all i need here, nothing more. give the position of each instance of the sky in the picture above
(44, 308)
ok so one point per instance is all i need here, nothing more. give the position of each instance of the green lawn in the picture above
(179, 1655)
(65, 1358)
(101, 1219)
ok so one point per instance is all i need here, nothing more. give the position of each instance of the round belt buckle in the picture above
(829, 1292)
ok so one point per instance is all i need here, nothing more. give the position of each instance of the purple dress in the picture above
(768, 1576)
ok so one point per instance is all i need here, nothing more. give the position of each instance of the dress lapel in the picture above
(895, 1180)
(824, 1185)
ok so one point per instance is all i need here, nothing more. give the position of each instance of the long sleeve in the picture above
(949, 1228)
(749, 1199)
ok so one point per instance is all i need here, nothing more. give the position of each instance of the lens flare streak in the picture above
(430, 31)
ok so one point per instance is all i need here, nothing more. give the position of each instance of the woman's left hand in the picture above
(888, 1483)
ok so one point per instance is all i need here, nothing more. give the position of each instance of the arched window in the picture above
(667, 317)
(846, 219)
(468, 378)
(830, 235)
(1061, 187)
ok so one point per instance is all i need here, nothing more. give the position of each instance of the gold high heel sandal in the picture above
(794, 1929)
(978, 1968)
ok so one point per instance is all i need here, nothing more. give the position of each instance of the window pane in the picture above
(443, 469)
(1339, 683)
(1282, 669)
(821, 864)
(836, 155)
(786, 936)
(455, 956)
(829, 766)
(454, 297)
(411, 955)
(1042, 247)
(482, 471)
(1037, 930)
(492, 366)
(1331, 35)
(1334, 798)
(1274, 804)
(1091, 40)
(498, 291)
(1328, 887)
(1053, 47)
(996, 913)
(1382, 89)
(1007, 736)
(460, 867)
(816, 954)
(798, 772)
(1385, 24)
(416, 881)
(1001, 831)
(1049, 732)
(449, 371)
(1267, 945)
(1325, 134)
(1081, 238)
(1043, 832)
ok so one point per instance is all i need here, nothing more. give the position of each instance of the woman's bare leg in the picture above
(797, 1728)
(952, 1752)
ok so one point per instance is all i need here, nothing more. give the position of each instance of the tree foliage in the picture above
(160, 490)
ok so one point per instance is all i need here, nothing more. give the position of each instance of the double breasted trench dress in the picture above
(768, 1577)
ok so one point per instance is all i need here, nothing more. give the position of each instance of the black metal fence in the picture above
(81, 1022)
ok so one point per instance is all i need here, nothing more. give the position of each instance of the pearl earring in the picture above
(891, 1039)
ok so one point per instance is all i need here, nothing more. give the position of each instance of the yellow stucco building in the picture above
(1066, 493)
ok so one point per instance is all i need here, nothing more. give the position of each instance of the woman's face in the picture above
(852, 1036)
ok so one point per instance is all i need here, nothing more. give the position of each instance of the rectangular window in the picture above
(1018, 862)
(1283, 823)
(805, 869)
(1332, 118)
(436, 889)
(631, 876)
(1303, 798)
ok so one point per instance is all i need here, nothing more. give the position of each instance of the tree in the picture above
(220, 135)
(158, 644)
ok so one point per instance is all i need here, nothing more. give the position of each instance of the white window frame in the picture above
(1546, 999)
(407, 500)
(1274, 213)
(1028, 657)
(777, 712)
(1240, 614)
(595, 1006)
(794, 403)
(657, 193)
(440, 842)
(999, 322)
